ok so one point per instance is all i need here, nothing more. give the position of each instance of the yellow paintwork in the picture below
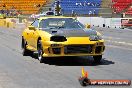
(31, 37)
(8, 24)
(88, 25)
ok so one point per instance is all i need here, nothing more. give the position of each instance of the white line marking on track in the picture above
(109, 37)
(119, 47)
(125, 43)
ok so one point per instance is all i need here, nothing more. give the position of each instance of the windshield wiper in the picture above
(51, 27)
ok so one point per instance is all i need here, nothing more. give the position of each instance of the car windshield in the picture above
(61, 23)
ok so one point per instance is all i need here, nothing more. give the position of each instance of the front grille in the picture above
(98, 49)
(56, 50)
(77, 49)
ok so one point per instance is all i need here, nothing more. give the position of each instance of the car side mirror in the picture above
(31, 28)
(87, 26)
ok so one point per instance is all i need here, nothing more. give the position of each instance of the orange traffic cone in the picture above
(84, 74)
(84, 81)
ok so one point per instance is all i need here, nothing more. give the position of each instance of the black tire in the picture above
(97, 59)
(85, 81)
(25, 52)
(40, 51)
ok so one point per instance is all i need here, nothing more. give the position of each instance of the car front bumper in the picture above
(74, 50)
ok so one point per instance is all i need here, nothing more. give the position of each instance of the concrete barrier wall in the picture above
(8, 22)
(99, 21)
(115, 22)
(93, 21)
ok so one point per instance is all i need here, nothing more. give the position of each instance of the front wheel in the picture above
(97, 59)
(40, 52)
(25, 52)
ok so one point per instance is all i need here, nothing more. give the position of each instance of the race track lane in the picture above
(17, 71)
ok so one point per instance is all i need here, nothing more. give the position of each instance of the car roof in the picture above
(46, 17)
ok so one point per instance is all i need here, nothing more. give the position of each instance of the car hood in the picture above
(72, 32)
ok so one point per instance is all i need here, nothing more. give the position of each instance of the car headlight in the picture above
(95, 37)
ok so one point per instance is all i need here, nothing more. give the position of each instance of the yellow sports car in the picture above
(56, 36)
